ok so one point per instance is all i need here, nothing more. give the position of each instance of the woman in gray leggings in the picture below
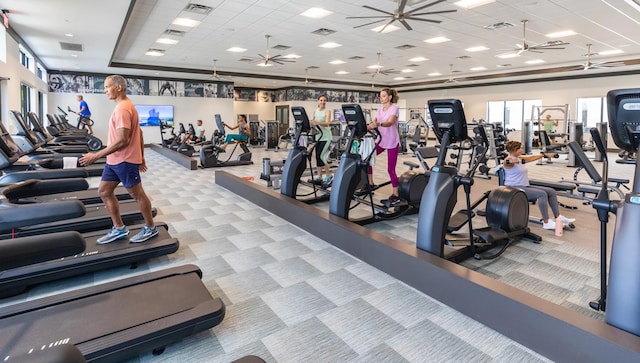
(517, 176)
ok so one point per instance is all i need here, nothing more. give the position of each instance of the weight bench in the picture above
(548, 146)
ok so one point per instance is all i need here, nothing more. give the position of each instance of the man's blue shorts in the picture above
(126, 173)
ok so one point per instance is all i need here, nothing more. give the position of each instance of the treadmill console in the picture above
(301, 118)
(355, 119)
(448, 115)
(623, 108)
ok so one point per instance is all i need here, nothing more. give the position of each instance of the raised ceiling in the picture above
(116, 35)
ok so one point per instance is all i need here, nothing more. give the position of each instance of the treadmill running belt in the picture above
(97, 217)
(115, 320)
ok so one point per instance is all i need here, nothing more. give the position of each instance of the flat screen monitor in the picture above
(623, 108)
(151, 115)
(301, 118)
(355, 119)
(448, 115)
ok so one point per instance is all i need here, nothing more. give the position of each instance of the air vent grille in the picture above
(175, 33)
(198, 9)
(72, 46)
(281, 47)
(405, 46)
(499, 25)
(323, 31)
(356, 57)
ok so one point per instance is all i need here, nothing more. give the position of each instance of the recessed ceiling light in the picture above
(342, 72)
(418, 59)
(611, 52)
(264, 64)
(292, 56)
(477, 49)
(437, 40)
(330, 45)
(564, 33)
(69, 35)
(475, 69)
(407, 70)
(190, 23)
(337, 61)
(375, 66)
(388, 29)
(316, 13)
(508, 55)
(535, 61)
(470, 4)
(236, 50)
(433, 74)
(74, 55)
(398, 78)
(167, 41)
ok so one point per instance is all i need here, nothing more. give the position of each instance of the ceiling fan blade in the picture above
(373, 22)
(425, 6)
(386, 25)
(428, 20)
(432, 12)
(546, 48)
(366, 17)
(406, 25)
(378, 10)
(401, 5)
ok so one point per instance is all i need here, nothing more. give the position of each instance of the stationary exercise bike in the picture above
(210, 154)
(296, 163)
(621, 296)
(507, 209)
(352, 174)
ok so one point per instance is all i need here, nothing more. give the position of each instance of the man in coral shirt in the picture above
(125, 161)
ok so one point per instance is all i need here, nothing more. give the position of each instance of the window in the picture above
(591, 111)
(26, 59)
(25, 98)
(40, 72)
(511, 114)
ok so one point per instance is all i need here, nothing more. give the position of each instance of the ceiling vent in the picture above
(504, 65)
(281, 47)
(463, 57)
(248, 60)
(71, 46)
(198, 9)
(313, 67)
(323, 31)
(356, 57)
(500, 25)
(405, 47)
(175, 33)
(413, 65)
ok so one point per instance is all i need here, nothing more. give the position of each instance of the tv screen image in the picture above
(151, 115)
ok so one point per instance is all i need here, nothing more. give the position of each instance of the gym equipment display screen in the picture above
(151, 115)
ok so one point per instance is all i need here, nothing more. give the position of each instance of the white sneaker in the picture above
(549, 225)
(566, 220)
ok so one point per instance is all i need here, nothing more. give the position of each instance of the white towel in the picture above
(368, 146)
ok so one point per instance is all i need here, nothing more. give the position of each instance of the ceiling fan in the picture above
(215, 74)
(451, 79)
(268, 60)
(400, 15)
(537, 48)
(379, 69)
(589, 65)
(306, 76)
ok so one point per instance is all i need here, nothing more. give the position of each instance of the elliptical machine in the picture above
(210, 154)
(352, 173)
(507, 209)
(93, 143)
(621, 297)
(297, 160)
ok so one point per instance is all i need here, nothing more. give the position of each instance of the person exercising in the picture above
(516, 175)
(84, 113)
(125, 161)
(243, 131)
(322, 120)
(386, 121)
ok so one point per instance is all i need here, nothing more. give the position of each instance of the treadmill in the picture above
(40, 191)
(16, 220)
(116, 320)
(27, 135)
(65, 254)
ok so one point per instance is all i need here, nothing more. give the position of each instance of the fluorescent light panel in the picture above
(388, 29)
(437, 40)
(330, 45)
(337, 61)
(418, 59)
(167, 41)
(316, 13)
(508, 55)
(611, 52)
(535, 61)
(190, 23)
(564, 33)
(477, 49)
(236, 50)
(434, 74)
(475, 69)
(342, 72)
(408, 70)
(470, 4)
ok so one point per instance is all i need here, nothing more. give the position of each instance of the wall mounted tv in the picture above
(151, 115)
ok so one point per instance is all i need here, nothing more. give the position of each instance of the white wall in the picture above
(17, 74)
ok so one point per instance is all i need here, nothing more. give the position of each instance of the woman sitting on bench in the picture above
(517, 176)
(243, 131)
